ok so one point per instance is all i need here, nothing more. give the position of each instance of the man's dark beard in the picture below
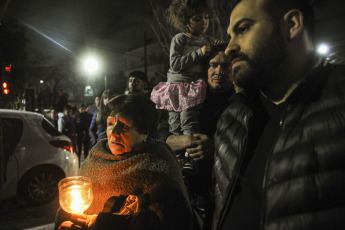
(264, 66)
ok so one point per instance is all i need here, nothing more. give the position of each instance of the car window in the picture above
(49, 128)
(12, 131)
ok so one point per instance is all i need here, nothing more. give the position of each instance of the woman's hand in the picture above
(79, 221)
(69, 225)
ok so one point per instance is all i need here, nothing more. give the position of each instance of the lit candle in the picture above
(75, 194)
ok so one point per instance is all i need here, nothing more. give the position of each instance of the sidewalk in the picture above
(51, 226)
(42, 227)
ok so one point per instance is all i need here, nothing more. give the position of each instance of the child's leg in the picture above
(190, 120)
(174, 123)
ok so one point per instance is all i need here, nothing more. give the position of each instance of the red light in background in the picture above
(6, 91)
(8, 68)
(66, 145)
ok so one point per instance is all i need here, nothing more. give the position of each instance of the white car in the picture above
(34, 157)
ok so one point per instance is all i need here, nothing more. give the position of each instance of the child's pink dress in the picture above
(179, 96)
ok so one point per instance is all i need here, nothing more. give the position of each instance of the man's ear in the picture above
(294, 23)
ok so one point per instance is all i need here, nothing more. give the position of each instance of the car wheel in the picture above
(40, 185)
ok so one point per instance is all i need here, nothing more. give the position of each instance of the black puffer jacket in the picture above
(304, 178)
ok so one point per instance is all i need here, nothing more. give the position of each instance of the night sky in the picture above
(75, 27)
(111, 27)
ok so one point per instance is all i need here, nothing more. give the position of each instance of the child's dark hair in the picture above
(181, 11)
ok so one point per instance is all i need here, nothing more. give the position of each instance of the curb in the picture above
(42, 227)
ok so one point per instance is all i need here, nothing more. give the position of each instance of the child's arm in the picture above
(180, 61)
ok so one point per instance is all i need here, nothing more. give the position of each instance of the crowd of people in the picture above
(84, 125)
(247, 134)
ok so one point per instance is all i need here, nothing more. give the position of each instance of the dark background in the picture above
(111, 27)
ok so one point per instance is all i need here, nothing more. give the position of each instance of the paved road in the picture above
(16, 215)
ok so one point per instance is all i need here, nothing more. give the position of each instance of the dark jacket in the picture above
(211, 110)
(97, 131)
(304, 177)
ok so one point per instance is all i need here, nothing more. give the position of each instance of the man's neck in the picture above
(285, 97)
(288, 79)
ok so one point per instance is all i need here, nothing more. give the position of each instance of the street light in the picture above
(323, 49)
(91, 65)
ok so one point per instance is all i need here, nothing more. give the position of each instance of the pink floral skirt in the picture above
(179, 96)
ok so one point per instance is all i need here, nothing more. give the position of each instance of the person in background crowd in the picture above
(138, 83)
(93, 107)
(54, 117)
(279, 160)
(62, 100)
(200, 146)
(136, 179)
(97, 129)
(66, 124)
(83, 120)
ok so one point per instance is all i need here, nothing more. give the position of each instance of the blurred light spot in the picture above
(323, 49)
(91, 65)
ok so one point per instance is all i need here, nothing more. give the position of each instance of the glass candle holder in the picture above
(75, 194)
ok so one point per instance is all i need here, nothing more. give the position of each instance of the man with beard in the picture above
(138, 83)
(279, 160)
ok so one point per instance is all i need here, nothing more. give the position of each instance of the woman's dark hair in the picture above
(181, 11)
(139, 108)
(101, 119)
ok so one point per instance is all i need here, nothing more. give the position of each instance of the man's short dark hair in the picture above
(277, 8)
(139, 74)
(215, 49)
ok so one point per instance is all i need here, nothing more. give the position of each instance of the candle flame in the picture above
(75, 197)
(77, 201)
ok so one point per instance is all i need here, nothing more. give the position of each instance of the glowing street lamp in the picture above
(323, 49)
(91, 65)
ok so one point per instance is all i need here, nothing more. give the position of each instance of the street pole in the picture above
(105, 82)
(145, 53)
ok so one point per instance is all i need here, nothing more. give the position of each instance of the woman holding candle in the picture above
(137, 181)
